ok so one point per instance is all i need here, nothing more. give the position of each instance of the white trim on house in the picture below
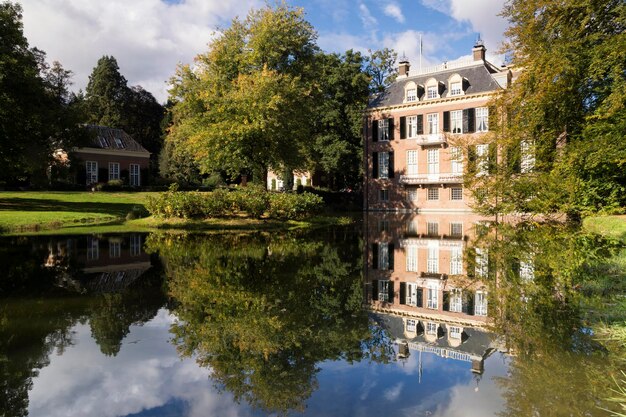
(113, 152)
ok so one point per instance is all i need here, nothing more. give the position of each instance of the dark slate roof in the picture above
(477, 342)
(478, 76)
(111, 138)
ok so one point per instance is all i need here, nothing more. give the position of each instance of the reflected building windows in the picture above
(456, 301)
(411, 325)
(93, 249)
(383, 290)
(480, 306)
(432, 228)
(431, 328)
(411, 227)
(527, 270)
(433, 260)
(411, 258)
(456, 261)
(482, 263)
(383, 256)
(454, 332)
(135, 245)
(432, 298)
(115, 249)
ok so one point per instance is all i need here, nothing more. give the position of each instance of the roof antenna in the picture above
(479, 41)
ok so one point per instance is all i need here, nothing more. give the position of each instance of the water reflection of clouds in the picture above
(146, 374)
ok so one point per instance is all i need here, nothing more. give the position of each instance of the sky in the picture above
(150, 37)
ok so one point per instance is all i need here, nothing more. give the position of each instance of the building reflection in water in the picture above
(98, 264)
(425, 284)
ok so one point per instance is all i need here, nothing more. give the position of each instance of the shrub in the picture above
(252, 200)
(294, 206)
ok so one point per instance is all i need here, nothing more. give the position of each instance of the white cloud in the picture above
(368, 20)
(393, 10)
(341, 42)
(393, 393)
(147, 37)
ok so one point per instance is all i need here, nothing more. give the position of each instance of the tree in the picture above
(566, 107)
(245, 105)
(381, 66)
(29, 108)
(342, 95)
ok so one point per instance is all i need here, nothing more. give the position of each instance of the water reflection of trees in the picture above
(40, 304)
(550, 291)
(262, 311)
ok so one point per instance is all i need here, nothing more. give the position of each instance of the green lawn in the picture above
(24, 211)
(612, 226)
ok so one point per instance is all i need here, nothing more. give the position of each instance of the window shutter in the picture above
(403, 128)
(374, 130)
(491, 118)
(440, 332)
(420, 124)
(470, 303)
(391, 129)
(375, 256)
(391, 292)
(471, 159)
(391, 165)
(391, 256)
(515, 268)
(493, 158)
(446, 301)
(420, 297)
(375, 290)
(403, 293)
(469, 120)
(446, 121)
(374, 164)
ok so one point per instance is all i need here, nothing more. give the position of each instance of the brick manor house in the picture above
(416, 129)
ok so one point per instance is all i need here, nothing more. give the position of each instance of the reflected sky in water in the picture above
(147, 378)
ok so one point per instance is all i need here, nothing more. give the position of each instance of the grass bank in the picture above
(610, 226)
(100, 212)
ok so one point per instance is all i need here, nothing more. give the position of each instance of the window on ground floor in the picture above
(433, 194)
(92, 172)
(114, 171)
(456, 193)
(135, 176)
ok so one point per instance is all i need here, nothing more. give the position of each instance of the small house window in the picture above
(456, 89)
(384, 195)
(411, 325)
(456, 229)
(411, 122)
(92, 172)
(114, 171)
(115, 249)
(411, 195)
(119, 143)
(411, 94)
(383, 290)
(432, 228)
(383, 130)
(431, 328)
(456, 119)
(482, 119)
(411, 258)
(104, 142)
(383, 165)
(135, 176)
(433, 194)
(456, 193)
(455, 332)
(433, 123)
(432, 92)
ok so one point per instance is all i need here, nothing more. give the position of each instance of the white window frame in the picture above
(134, 175)
(456, 88)
(432, 91)
(482, 262)
(411, 258)
(456, 301)
(432, 298)
(432, 159)
(456, 160)
(383, 165)
(456, 261)
(431, 328)
(383, 256)
(104, 142)
(411, 294)
(456, 121)
(432, 228)
(114, 171)
(527, 157)
(119, 143)
(411, 162)
(482, 119)
(432, 264)
(91, 168)
(432, 194)
(411, 94)
(383, 290)
(411, 126)
(458, 226)
(480, 304)
(456, 194)
(454, 332)
(411, 226)
(383, 130)
(432, 120)
(93, 250)
(527, 270)
(411, 195)
(482, 159)
(411, 325)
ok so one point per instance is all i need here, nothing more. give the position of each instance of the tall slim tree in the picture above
(107, 94)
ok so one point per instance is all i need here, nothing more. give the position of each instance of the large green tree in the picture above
(110, 102)
(566, 108)
(342, 93)
(34, 117)
(245, 104)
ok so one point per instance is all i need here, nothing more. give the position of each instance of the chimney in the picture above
(403, 67)
(479, 50)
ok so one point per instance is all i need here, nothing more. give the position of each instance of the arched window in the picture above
(432, 89)
(455, 85)
(410, 92)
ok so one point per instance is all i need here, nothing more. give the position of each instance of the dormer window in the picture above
(456, 89)
(411, 94)
(119, 143)
(432, 92)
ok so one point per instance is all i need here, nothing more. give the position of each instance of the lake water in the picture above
(398, 315)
